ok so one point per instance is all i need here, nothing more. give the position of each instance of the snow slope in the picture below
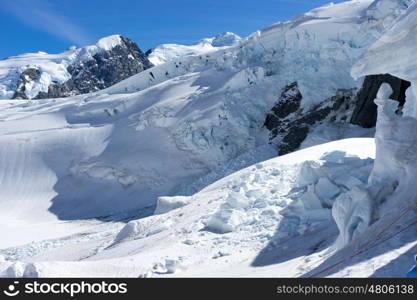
(314, 49)
(81, 177)
(169, 52)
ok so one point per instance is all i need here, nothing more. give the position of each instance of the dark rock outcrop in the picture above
(365, 112)
(289, 125)
(105, 69)
(148, 52)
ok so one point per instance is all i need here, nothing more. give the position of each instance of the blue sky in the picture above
(54, 25)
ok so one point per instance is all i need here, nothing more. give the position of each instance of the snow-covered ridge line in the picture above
(169, 52)
(75, 71)
(304, 49)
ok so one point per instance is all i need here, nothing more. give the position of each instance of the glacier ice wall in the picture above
(393, 179)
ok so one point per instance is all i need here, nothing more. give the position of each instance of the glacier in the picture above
(170, 171)
(170, 52)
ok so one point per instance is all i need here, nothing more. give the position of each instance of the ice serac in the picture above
(394, 53)
(76, 71)
(356, 210)
(178, 122)
(365, 113)
(316, 49)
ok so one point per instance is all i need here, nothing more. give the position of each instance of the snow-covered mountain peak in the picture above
(175, 171)
(169, 52)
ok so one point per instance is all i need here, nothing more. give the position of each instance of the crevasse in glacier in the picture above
(391, 178)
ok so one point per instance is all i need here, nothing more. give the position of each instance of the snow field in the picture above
(170, 139)
(262, 205)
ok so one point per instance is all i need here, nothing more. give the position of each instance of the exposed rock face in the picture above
(106, 68)
(225, 39)
(289, 125)
(289, 103)
(365, 113)
(28, 75)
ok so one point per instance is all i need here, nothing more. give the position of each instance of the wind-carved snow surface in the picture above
(166, 138)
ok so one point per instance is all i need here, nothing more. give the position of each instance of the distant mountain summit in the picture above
(73, 72)
(174, 170)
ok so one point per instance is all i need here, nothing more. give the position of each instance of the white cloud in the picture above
(39, 15)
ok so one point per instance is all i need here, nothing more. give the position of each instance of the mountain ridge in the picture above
(191, 168)
(76, 71)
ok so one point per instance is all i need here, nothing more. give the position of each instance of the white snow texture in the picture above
(169, 172)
